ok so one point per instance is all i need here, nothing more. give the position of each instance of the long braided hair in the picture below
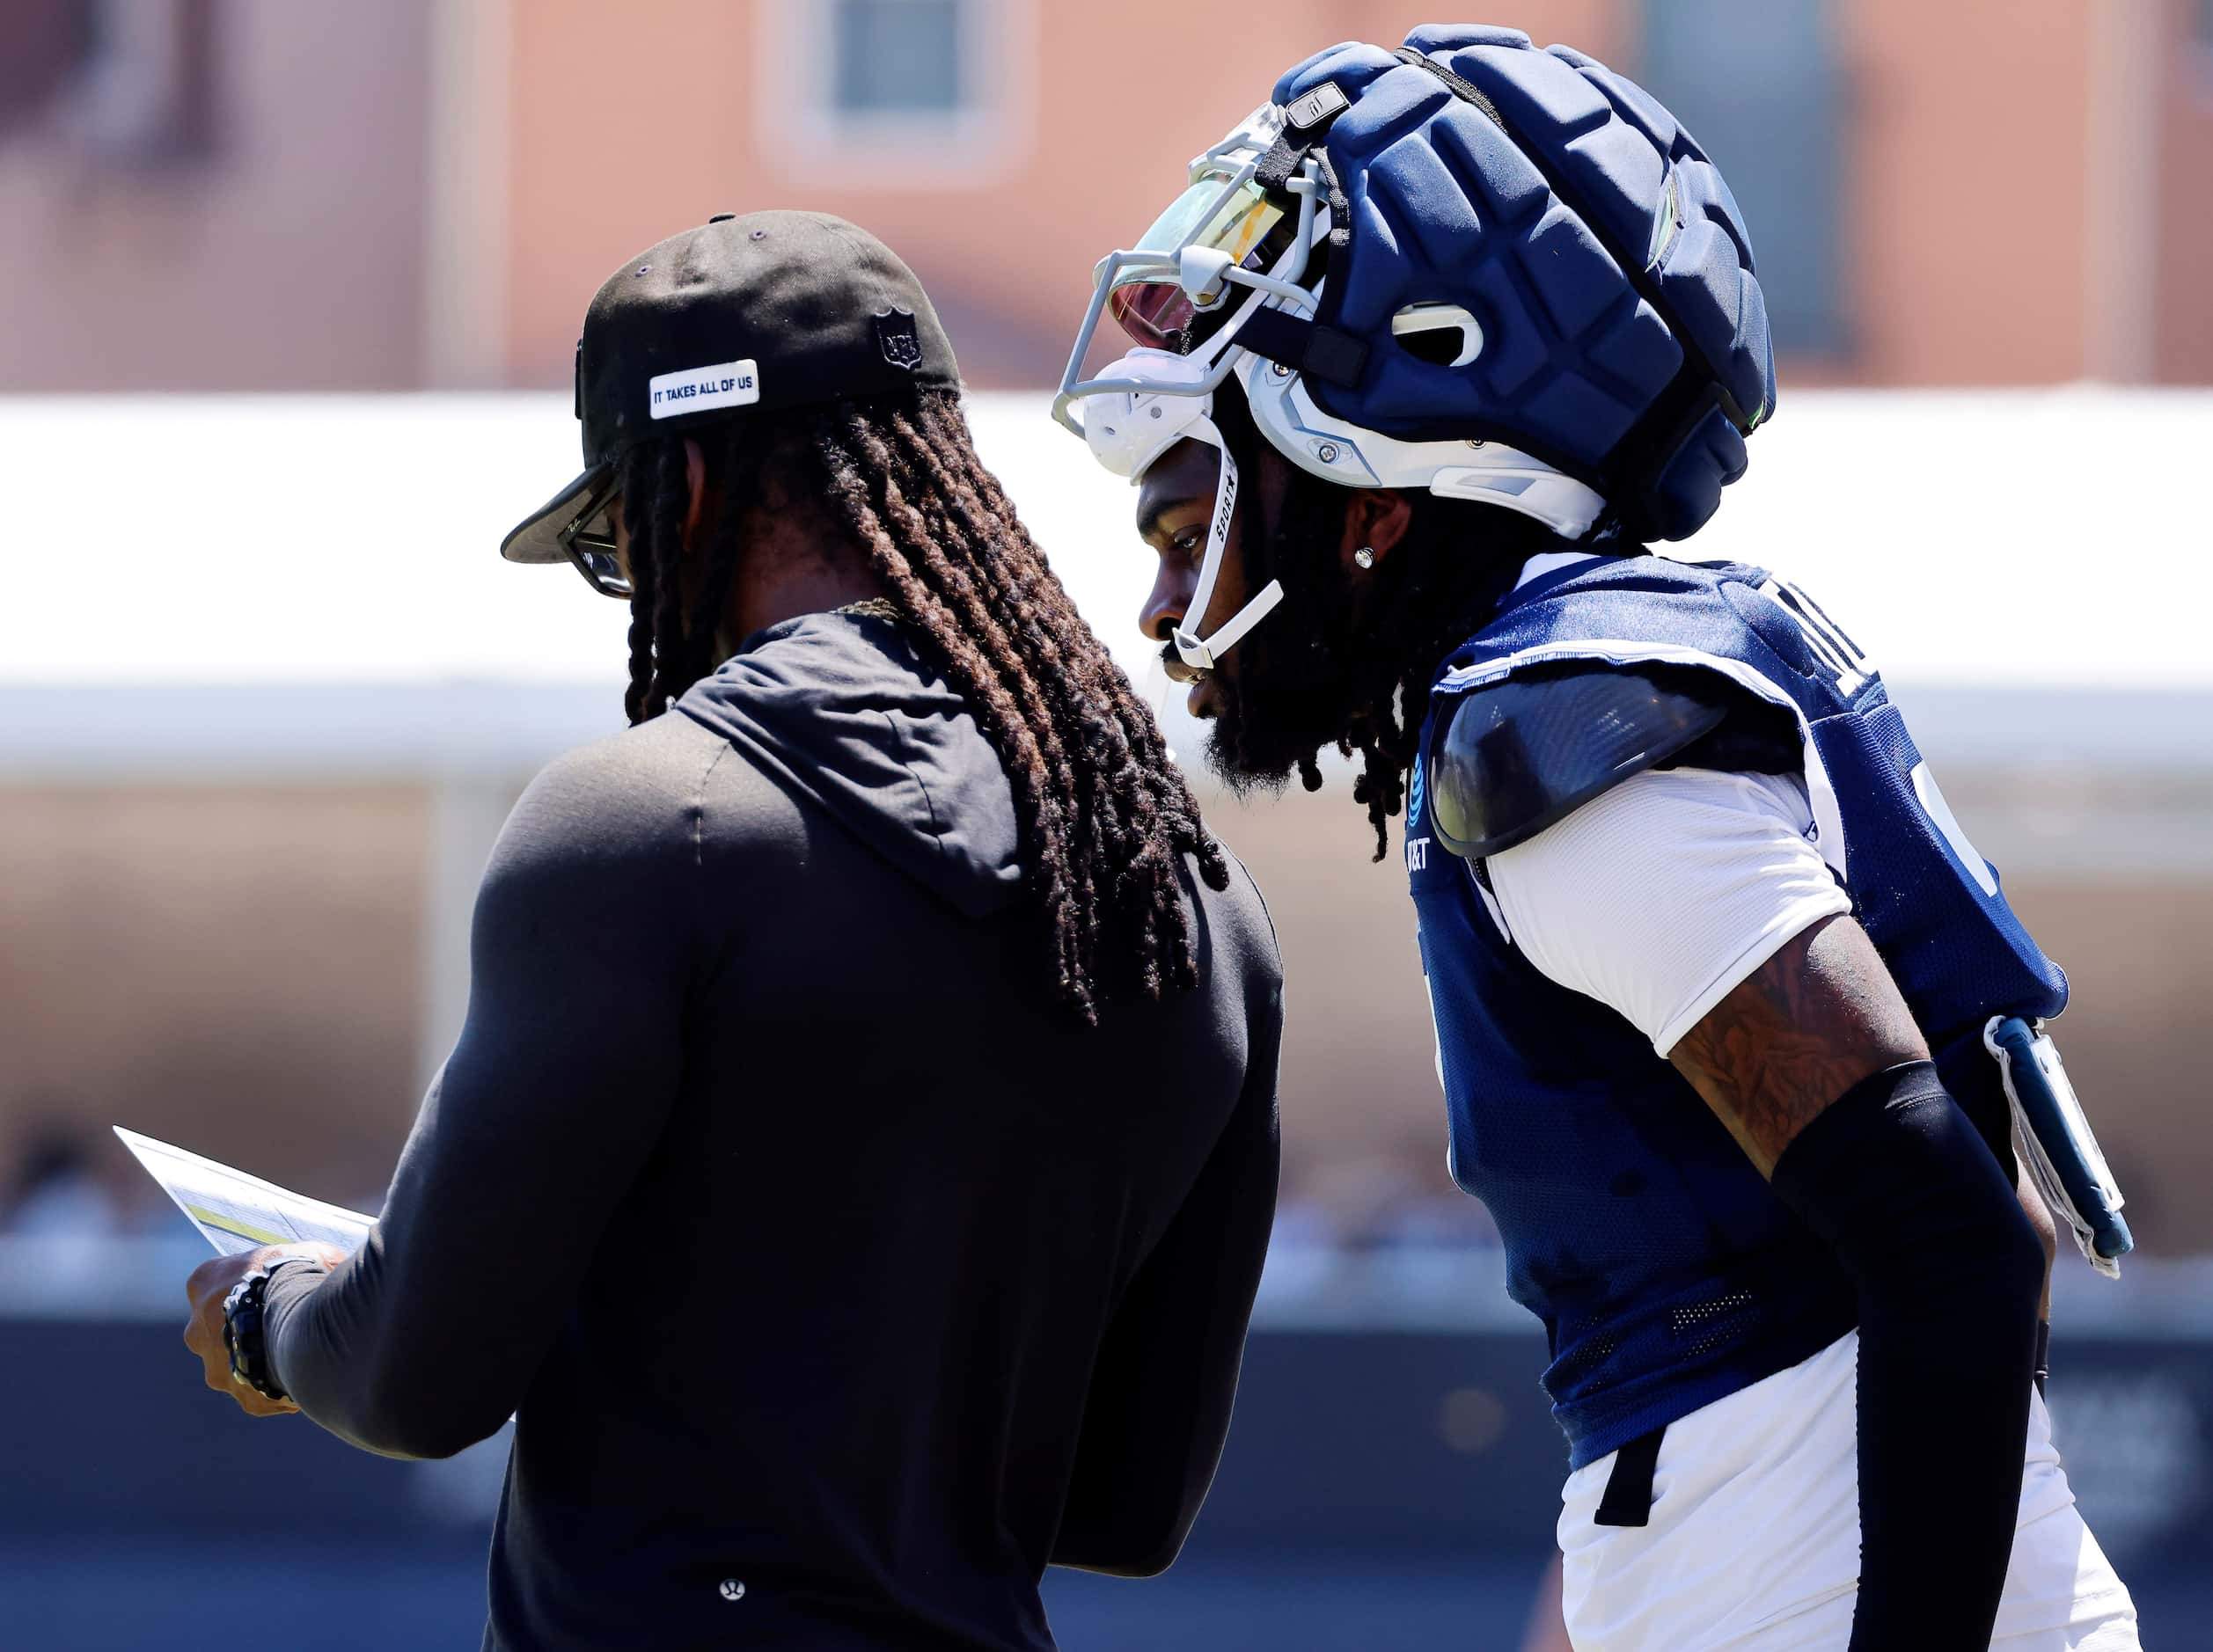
(1104, 815)
(1357, 675)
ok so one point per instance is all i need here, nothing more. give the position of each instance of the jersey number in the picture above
(1843, 657)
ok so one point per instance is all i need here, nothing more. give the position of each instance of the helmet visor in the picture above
(1242, 221)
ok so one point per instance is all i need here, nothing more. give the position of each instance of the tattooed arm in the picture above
(1796, 1033)
(1815, 1064)
(1799, 1030)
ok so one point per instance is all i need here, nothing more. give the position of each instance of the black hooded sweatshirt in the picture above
(839, 1280)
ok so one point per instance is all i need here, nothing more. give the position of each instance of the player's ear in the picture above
(1376, 520)
(695, 478)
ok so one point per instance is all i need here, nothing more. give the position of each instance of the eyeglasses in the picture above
(588, 540)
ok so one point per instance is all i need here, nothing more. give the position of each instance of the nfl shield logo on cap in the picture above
(895, 332)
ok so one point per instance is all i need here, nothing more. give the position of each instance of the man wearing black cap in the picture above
(856, 1168)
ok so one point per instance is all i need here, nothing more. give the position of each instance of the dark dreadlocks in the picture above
(1104, 815)
(1311, 676)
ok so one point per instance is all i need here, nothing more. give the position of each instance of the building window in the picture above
(43, 44)
(1758, 83)
(2197, 51)
(897, 58)
(128, 82)
(935, 91)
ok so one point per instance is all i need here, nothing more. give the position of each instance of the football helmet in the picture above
(1497, 272)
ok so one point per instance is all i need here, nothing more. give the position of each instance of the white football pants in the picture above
(1754, 1544)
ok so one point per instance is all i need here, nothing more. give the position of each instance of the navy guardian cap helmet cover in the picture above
(1467, 266)
(1598, 248)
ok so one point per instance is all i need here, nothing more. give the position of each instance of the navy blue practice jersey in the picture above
(1665, 1271)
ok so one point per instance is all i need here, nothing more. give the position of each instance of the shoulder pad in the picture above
(1510, 759)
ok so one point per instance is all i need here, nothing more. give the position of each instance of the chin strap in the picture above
(1128, 435)
(1201, 653)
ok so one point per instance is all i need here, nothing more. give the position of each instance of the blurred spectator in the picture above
(56, 1190)
(60, 1215)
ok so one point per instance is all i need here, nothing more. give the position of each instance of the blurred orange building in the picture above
(246, 195)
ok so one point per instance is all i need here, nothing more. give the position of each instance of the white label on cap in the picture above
(702, 388)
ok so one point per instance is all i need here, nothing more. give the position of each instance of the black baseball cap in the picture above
(764, 310)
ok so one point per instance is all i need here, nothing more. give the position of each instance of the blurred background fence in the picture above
(288, 299)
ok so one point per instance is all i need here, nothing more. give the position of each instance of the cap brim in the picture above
(535, 539)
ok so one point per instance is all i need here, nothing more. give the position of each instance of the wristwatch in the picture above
(242, 1329)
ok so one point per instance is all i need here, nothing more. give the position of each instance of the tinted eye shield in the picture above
(1180, 294)
(1218, 224)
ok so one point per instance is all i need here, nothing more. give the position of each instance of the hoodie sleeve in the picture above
(423, 1342)
(1158, 1412)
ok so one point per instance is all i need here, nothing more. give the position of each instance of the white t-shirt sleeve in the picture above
(1659, 896)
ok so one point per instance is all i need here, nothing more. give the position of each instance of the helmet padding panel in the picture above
(1614, 144)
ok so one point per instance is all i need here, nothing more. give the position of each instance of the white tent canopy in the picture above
(306, 583)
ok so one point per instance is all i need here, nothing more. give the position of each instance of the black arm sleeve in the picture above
(424, 1340)
(1948, 1272)
(1158, 1410)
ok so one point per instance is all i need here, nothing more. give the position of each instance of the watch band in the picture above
(243, 1329)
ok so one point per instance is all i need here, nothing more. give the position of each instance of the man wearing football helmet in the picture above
(1734, 1026)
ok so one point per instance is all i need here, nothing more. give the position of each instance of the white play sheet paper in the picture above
(237, 1212)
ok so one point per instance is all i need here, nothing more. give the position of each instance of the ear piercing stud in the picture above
(1364, 557)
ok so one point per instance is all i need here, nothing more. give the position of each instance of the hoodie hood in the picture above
(843, 708)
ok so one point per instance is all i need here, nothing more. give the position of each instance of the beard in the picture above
(1287, 695)
(1346, 660)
